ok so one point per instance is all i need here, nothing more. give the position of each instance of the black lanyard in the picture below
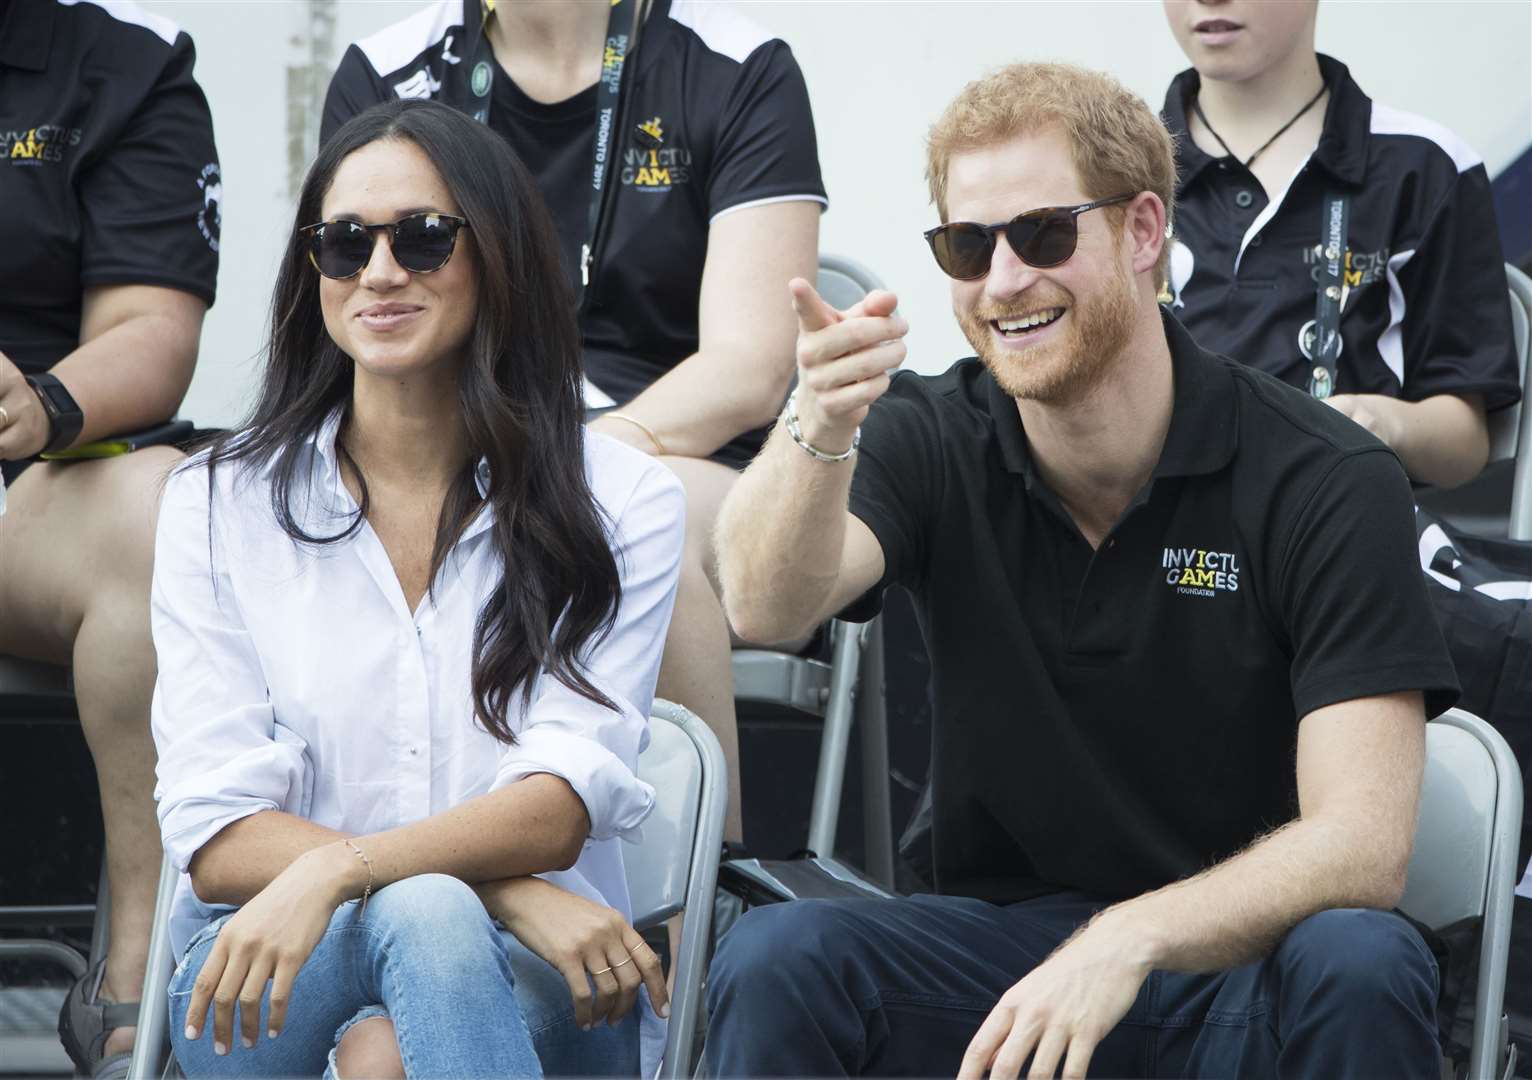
(622, 26)
(1330, 295)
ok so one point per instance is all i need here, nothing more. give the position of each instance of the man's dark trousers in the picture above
(899, 987)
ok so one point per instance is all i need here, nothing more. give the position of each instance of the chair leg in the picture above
(877, 800)
(845, 658)
(101, 925)
(152, 1042)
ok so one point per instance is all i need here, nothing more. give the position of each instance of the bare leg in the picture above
(76, 553)
(369, 1051)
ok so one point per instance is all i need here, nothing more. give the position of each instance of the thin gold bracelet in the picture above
(655, 439)
(367, 892)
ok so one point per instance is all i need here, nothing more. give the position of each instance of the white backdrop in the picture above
(878, 75)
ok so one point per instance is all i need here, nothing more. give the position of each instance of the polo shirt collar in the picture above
(1342, 149)
(1203, 418)
(26, 35)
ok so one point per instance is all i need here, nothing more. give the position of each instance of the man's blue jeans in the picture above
(899, 987)
(465, 997)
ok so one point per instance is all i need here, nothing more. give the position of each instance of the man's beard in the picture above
(1067, 368)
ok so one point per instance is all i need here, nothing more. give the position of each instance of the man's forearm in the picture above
(780, 537)
(1235, 912)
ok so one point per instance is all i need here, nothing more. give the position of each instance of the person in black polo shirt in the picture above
(1272, 139)
(1181, 656)
(112, 201)
(674, 143)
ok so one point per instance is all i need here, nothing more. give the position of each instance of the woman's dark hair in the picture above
(521, 392)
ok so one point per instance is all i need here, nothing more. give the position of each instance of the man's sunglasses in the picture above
(1040, 238)
(421, 243)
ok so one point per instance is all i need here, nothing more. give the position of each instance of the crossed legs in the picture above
(76, 553)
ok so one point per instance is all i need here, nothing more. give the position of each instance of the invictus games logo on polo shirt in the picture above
(652, 166)
(41, 145)
(1199, 572)
(210, 217)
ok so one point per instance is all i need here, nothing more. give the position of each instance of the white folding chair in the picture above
(1464, 864)
(1511, 429)
(673, 868)
(1498, 502)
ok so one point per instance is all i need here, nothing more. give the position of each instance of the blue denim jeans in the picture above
(465, 997)
(899, 987)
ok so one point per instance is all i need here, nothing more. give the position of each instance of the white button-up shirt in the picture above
(294, 677)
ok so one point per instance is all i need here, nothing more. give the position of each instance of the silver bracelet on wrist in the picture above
(794, 429)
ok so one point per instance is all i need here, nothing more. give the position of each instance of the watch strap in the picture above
(64, 416)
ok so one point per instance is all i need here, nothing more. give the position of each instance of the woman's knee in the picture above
(440, 912)
(369, 1049)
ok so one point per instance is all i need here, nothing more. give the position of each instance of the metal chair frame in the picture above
(1518, 419)
(1464, 864)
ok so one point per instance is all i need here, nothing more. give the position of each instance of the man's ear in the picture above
(1144, 226)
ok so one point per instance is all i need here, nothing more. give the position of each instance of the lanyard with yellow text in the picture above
(622, 27)
(1331, 290)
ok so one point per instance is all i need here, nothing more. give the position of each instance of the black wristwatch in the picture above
(64, 416)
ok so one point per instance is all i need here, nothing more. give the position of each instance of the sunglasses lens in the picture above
(341, 248)
(424, 242)
(1043, 241)
(962, 250)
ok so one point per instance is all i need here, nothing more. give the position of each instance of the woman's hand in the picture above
(578, 937)
(269, 939)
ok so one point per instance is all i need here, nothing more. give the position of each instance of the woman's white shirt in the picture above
(293, 677)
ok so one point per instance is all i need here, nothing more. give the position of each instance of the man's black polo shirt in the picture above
(108, 173)
(1426, 310)
(1115, 720)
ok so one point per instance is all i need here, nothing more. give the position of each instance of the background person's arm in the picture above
(789, 553)
(737, 378)
(138, 346)
(1443, 440)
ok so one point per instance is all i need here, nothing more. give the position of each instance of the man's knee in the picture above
(369, 1049)
(779, 946)
(1357, 956)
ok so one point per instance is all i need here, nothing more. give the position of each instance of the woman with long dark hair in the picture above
(409, 620)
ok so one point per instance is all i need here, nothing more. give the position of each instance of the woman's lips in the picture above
(383, 320)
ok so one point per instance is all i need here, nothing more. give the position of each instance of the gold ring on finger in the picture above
(5, 418)
(614, 967)
(603, 971)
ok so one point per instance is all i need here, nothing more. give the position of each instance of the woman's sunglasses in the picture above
(421, 243)
(1040, 238)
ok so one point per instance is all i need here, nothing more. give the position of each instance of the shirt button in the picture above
(413, 751)
(1243, 199)
(1223, 166)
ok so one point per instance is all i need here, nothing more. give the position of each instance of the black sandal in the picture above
(85, 1022)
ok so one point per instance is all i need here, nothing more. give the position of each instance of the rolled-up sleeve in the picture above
(592, 748)
(222, 755)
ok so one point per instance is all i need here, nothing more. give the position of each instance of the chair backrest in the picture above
(1505, 424)
(659, 866)
(1464, 860)
(1511, 429)
(674, 867)
(842, 281)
